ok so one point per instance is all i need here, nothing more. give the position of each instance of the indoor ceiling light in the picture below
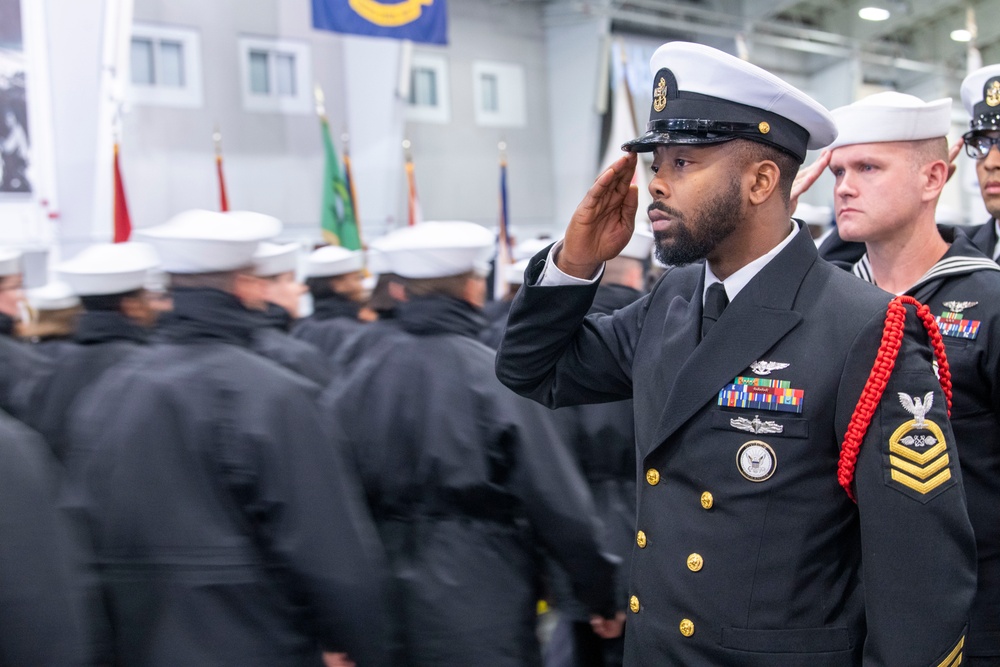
(961, 35)
(873, 13)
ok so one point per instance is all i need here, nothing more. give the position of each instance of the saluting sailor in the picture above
(890, 162)
(748, 550)
(981, 98)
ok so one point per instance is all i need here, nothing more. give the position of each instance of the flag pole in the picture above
(414, 213)
(217, 140)
(345, 139)
(503, 258)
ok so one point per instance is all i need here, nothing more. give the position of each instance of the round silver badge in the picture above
(756, 460)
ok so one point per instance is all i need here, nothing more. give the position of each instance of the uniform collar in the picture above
(962, 257)
(736, 282)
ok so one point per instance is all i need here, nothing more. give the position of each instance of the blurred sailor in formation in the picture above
(278, 298)
(335, 277)
(465, 479)
(225, 528)
(108, 280)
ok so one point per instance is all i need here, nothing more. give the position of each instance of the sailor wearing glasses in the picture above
(981, 97)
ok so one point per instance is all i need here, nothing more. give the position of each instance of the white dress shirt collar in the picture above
(736, 282)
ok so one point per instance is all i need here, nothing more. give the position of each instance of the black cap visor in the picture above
(687, 131)
(985, 121)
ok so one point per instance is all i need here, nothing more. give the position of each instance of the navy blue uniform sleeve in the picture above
(918, 550)
(556, 354)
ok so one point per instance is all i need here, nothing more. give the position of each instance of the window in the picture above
(490, 100)
(276, 75)
(423, 89)
(428, 99)
(165, 66)
(499, 94)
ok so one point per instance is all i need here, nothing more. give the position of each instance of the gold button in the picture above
(687, 627)
(764, 127)
(633, 604)
(707, 500)
(640, 539)
(653, 476)
(695, 562)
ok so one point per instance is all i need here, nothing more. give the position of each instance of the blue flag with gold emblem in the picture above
(416, 20)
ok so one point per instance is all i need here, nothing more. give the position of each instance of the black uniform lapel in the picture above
(752, 324)
(985, 238)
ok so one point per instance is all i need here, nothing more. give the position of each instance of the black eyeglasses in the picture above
(977, 146)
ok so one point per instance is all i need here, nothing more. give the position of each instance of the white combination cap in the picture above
(109, 268)
(981, 98)
(704, 96)
(891, 116)
(208, 241)
(272, 259)
(10, 261)
(514, 274)
(640, 245)
(333, 260)
(53, 296)
(438, 249)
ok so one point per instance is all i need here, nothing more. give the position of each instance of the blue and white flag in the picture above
(416, 20)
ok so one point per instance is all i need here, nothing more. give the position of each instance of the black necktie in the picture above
(715, 302)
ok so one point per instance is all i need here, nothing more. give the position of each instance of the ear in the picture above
(250, 290)
(764, 178)
(397, 291)
(934, 176)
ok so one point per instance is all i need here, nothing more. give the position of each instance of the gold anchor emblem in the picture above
(660, 95)
(993, 93)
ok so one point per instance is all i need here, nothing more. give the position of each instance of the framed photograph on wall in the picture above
(15, 143)
(28, 206)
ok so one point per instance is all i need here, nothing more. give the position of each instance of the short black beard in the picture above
(687, 243)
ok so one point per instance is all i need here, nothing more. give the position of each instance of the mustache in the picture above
(660, 206)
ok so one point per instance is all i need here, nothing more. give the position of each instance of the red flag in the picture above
(223, 200)
(123, 224)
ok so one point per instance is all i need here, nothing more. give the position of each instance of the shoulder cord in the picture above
(892, 339)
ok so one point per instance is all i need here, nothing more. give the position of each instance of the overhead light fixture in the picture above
(873, 13)
(961, 35)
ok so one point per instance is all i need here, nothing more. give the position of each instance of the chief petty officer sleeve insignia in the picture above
(917, 460)
(918, 450)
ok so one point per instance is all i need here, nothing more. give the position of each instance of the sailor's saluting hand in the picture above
(603, 223)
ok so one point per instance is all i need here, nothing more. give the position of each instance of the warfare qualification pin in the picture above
(756, 460)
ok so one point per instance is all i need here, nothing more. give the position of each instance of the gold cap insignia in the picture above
(764, 127)
(660, 95)
(993, 93)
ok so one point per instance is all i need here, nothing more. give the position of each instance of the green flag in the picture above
(340, 227)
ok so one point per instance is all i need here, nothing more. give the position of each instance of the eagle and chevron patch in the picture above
(918, 451)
